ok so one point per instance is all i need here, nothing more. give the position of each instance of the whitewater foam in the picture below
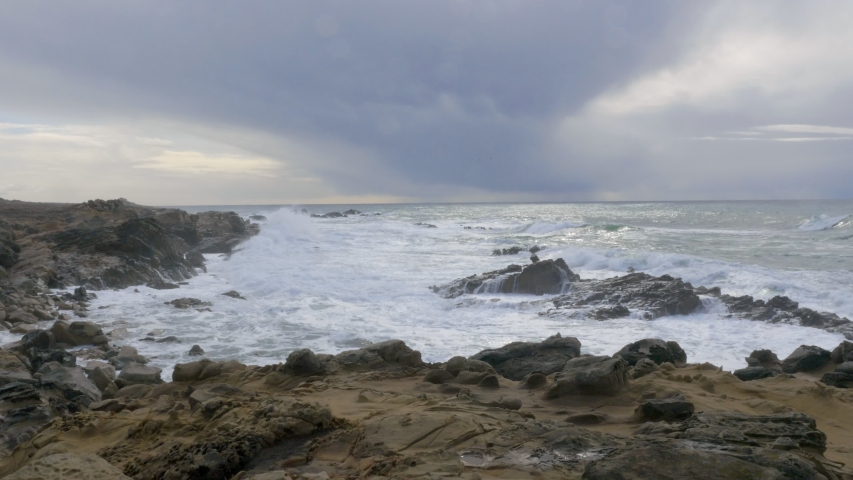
(822, 222)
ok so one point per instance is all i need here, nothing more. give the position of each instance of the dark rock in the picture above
(187, 302)
(608, 313)
(842, 353)
(427, 225)
(544, 277)
(766, 359)
(196, 259)
(40, 339)
(303, 363)
(534, 249)
(534, 259)
(39, 357)
(723, 428)
(470, 378)
(259, 218)
(234, 294)
(508, 251)
(654, 349)
(456, 365)
(590, 376)
(438, 376)
(72, 384)
(592, 418)
(841, 377)
(807, 358)
(160, 284)
(519, 359)
(136, 374)
(196, 350)
(20, 316)
(753, 373)
(783, 303)
(643, 367)
(352, 211)
(78, 333)
(666, 409)
(382, 355)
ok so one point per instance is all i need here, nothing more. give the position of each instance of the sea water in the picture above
(339, 283)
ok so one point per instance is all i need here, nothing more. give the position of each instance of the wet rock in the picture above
(39, 356)
(841, 377)
(508, 251)
(159, 284)
(187, 302)
(806, 358)
(234, 294)
(352, 211)
(665, 409)
(656, 350)
(753, 373)
(783, 303)
(608, 313)
(303, 363)
(544, 277)
(110, 405)
(196, 351)
(519, 359)
(259, 218)
(590, 376)
(40, 339)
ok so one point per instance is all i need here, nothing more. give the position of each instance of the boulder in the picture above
(391, 353)
(303, 363)
(438, 376)
(590, 376)
(78, 333)
(69, 466)
(103, 380)
(187, 302)
(72, 384)
(135, 374)
(20, 316)
(753, 373)
(765, 359)
(544, 277)
(519, 359)
(189, 372)
(841, 377)
(195, 350)
(643, 367)
(656, 350)
(806, 358)
(842, 353)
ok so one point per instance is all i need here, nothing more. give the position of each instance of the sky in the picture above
(212, 102)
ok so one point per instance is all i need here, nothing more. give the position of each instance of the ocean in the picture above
(339, 283)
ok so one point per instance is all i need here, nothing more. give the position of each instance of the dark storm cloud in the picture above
(418, 98)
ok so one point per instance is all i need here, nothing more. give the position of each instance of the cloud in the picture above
(197, 163)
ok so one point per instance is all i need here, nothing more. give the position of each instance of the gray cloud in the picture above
(439, 100)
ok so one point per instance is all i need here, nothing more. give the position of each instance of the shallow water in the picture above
(332, 284)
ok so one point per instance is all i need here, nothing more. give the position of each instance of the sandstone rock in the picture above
(438, 376)
(519, 359)
(590, 376)
(188, 372)
(379, 356)
(69, 466)
(654, 349)
(469, 378)
(78, 333)
(489, 381)
(456, 365)
(643, 367)
(303, 363)
(72, 384)
(111, 405)
(533, 381)
(806, 358)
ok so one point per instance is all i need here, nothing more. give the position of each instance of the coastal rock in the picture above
(519, 359)
(842, 353)
(20, 316)
(753, 373)
(78, 333)
(380, 355)
(590, 375)
(508, 251)
(135, 374)
(841, 377)
(806, 358)
(72, 384)
(666, 409)
(69, 466)
(656, 350)
(765, 359)
(544, 277)
(303, 363)
(187, 302)
(234, 294)
(195, 350)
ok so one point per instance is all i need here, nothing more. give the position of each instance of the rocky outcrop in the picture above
(69, 466)
(807, 358)
(841, 377)
(519, 359)
(654, 349)
(544, 277)
(590, 376)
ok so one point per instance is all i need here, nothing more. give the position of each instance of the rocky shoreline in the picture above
(75, 405)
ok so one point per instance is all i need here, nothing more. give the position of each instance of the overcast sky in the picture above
(266, 102)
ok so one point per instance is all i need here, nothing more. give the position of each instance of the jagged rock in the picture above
(666, 409)
(72, 384)
(544, 277)
(806, 358)
(841, 377)
(352, 211)
(753, 373)
(40, 356)
(196, 350)
(125, 356)
(518, 359)
(643, 367)
(110, 405)
(102, 379)
(783, 303)
(590, 376)
(160, 284)
(41, 339)
(187, 302)
(234, 294)
(259, 218)
(656, 350)
(765, 359)
(69, 466)
(608, 313)
(135, 374)
(78, 333)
